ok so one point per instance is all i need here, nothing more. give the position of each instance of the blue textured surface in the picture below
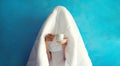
(98, 21)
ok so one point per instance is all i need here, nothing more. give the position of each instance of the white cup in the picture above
(59, 37)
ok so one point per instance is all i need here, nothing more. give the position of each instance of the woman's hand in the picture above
(49, 37)
(64, 41)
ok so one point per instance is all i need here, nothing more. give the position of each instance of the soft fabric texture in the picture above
(54, 46)
(60, 21)
(57, 54)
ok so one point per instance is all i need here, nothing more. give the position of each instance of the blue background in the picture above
(98, 21)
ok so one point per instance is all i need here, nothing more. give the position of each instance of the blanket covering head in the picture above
(60, 21)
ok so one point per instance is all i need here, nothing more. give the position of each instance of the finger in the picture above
(47, 35)
(51, 37)
(65, 39)
(50, 34)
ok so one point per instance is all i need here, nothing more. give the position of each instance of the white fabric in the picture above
(54, 46)
(57, 58)
(60, 21)
(57, 54)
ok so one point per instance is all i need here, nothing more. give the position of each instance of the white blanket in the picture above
(60, 21)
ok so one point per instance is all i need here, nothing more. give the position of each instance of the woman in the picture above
(55, 50)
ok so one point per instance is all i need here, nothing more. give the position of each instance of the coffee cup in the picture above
(59, 37)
